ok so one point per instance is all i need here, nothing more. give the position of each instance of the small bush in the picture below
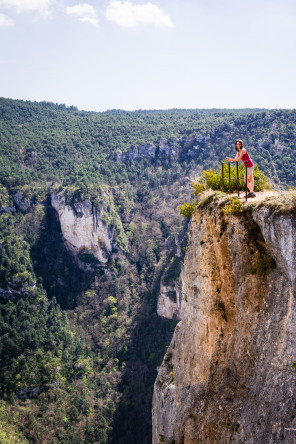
(233, 207)
(198, 187)
(263, 265)
(168, 357)
(186, 209)
(88, 258)
(212, 179)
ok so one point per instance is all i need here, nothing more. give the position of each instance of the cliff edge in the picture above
(228, 375)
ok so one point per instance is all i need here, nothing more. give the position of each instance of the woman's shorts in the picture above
(250, 171)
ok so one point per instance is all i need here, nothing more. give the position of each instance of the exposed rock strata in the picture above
(83, 228)
(227, 375)
(141, 150)
(187, 147)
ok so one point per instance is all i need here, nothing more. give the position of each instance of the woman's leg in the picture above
(247, 179)
(251, 180)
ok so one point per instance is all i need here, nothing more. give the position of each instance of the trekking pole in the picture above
(229, 178)
(223, 177)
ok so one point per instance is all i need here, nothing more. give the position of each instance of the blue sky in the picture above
(157, 54)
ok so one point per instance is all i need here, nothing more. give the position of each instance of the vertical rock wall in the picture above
(170, 302)
(227, 376)
(83, 228)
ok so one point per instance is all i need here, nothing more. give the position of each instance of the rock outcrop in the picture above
(142, 150)
(171, 301)
(169, 148)
(21, 202)
(83, 227)
(228, 375)
(178, 148)
(7, 209)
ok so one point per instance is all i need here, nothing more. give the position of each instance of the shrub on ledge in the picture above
(212, 179)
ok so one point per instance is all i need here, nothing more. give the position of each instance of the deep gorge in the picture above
(91, 249)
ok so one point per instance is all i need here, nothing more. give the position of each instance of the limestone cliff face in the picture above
(83, 228)
(184, 148)
(145, 150)
(170, 303)
(227, 376)
(169, 148)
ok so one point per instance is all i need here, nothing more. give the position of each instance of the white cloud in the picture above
(40, 6)
(84, 13)
(128, 14)
(5, 21)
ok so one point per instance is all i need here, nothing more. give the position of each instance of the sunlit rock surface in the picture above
(227, 376)
(83, 228)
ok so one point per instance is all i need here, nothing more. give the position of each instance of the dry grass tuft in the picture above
(284, 202)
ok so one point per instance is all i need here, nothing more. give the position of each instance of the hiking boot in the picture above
(251, 195)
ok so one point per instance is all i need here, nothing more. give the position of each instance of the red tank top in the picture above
(247, 158)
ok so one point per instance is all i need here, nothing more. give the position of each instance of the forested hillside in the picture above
(80, 339)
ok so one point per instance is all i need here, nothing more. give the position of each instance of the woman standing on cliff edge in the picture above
(242, 154)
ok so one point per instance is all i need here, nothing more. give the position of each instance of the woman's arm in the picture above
(237, 157)
(240, 155)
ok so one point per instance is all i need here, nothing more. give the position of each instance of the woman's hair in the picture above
(238, 140)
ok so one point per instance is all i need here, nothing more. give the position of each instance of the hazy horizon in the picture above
(146, 109)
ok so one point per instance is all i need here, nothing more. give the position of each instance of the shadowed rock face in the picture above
(83, 228)
(21, 203)
(227, 375)
(170, 303)
(171, 148)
